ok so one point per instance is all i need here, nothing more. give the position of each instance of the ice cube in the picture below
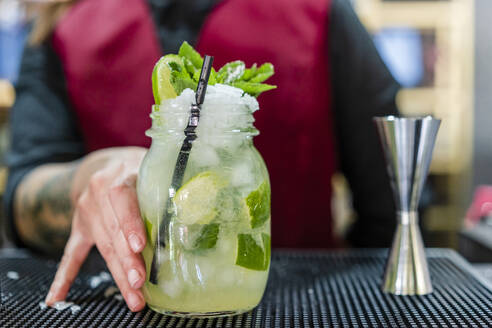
(224, 99)
(60, 306)
(180, 104)
(97, 280)
(172, 288)
(205, 270)
(242, 174)
(13, 275)
(226, 246)
(184, 265)
(105, 276)
(225, 207)
(250, 102)
(74, 309)
(205, 155)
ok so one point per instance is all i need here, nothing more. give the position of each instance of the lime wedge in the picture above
(196, 200)
(170, 78)
(161, 78)
(252, 255)
(258, 203)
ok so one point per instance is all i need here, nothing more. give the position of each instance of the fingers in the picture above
(124, 202)
(131, 262)
(134, 298)
(127, 267)
(74, 255)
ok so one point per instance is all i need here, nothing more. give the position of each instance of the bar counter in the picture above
(305, 289)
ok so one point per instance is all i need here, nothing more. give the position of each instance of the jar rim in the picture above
(174, 109)
(174, 123)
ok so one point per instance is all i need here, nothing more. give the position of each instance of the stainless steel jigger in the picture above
(407, 145)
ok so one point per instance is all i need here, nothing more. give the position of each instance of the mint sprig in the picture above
(235, 73)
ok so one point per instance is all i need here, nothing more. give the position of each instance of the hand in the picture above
(106, 214)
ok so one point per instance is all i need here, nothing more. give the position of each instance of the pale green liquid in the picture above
(205, 283)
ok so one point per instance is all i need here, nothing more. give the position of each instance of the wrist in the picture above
(100, 159)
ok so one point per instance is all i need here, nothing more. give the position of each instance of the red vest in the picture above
(108, 51)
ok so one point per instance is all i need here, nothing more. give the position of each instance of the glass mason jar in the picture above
(213, 253)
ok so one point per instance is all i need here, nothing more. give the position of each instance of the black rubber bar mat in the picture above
(305, 289)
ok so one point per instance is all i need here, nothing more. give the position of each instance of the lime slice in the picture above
(161, 78)
(258, 203)
(196, 200)
(251, 254)
(170, 78)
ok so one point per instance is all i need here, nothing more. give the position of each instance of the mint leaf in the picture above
(249, 72)
(180, 78)
(175, 67)
(190, 68)
(264, 72)
(208, 237)
(253, 89)
(258, 202)
(252, 255)
(212, 79)
(191, 54)
(196, 76)
(181, 84)
(148, 228)
(231, 72)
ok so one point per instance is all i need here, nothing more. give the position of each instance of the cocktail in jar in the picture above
(215, 254)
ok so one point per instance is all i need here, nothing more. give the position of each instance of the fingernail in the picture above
(135, 242)
(48, 297)
(133, 301)
(133, 278)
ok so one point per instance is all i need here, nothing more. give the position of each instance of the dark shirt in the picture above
(44, 127)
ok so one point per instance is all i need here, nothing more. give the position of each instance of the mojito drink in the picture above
(215, 254)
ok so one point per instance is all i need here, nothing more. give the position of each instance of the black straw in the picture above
(181, 164)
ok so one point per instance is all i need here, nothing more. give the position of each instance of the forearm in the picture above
(43, 208)
(45, 198)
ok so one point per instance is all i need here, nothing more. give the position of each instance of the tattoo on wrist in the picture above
(45, 211)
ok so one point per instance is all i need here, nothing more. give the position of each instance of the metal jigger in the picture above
(407, 145)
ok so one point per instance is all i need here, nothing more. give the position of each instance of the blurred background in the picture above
(440, 51)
